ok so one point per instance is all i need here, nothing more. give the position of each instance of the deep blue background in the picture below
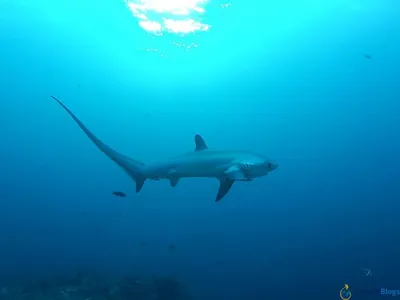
(289, 80)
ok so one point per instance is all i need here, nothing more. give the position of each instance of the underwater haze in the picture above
(312, 85)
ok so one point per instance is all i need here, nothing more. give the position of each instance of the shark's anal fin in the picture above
(200, 143)
(174, 181)
(224, 187)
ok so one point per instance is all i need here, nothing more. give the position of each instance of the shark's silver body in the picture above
(226, 166)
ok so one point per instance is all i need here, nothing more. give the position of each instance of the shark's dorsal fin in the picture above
(200, 143)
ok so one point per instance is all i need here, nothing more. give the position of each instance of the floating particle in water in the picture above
(367, 56)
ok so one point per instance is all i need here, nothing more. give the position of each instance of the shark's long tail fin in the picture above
(135, 169)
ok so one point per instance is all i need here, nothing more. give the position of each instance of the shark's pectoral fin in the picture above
(224, 187)
(235, 173)
(139, 183)
(174, 181)
(200, 143)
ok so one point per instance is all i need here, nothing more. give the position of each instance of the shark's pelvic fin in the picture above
(200, 143)
(133, 168)
(172, 178)
(224, 187)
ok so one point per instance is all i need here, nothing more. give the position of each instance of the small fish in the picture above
(367, 272)
(367, 56)
(119, 194)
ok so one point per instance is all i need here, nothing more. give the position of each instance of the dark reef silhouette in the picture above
(83, 287)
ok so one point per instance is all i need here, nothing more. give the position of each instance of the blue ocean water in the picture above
(314, 85)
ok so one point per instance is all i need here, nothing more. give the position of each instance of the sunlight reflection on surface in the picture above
(176, 16)
(177, 19)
